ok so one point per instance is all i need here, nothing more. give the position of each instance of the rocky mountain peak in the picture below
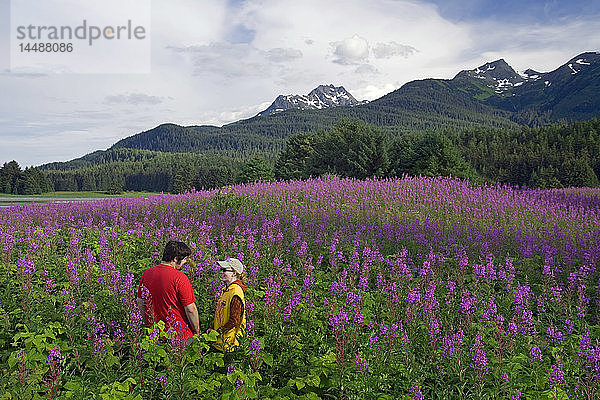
(323, 96)
(497, 75)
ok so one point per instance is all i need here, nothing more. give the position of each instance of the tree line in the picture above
(552, 156)
(558, 155)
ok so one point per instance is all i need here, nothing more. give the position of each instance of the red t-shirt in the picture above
(170, 291)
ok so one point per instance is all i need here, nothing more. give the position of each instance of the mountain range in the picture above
(492, 95)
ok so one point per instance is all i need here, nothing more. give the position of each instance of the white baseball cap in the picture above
(232, 263)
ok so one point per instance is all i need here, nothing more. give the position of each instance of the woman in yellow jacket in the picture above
(230, 313)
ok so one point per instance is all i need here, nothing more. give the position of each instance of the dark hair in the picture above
(176, 251)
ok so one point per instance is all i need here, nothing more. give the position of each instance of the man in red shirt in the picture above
(165, 293)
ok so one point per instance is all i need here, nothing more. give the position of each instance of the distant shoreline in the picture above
(30, 200)
(66, 197)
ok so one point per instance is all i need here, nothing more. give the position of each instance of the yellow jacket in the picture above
(222, 316)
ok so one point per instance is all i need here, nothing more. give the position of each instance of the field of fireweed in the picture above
(415, 288)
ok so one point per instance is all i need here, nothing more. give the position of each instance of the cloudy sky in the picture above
(218, 61)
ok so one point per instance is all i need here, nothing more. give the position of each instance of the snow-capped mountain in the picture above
(497, 75)
(324, 96)
(569, 92)
(500, 77)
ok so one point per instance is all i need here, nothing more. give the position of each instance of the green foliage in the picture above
(558, 155)
(293, 161)
(350, 149)
(29, 181)
(254, 170)
(431, 154)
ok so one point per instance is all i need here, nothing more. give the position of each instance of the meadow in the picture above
(411, 288)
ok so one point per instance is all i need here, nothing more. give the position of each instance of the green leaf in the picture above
(12, 361)
(73, 386)
(268, 359)
(251, 393)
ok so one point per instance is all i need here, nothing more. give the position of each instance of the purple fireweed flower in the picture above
(555, 337)
(153, 335)
(363, 282)
(25, 266)
(555, 294)
(499, 320)
(570, 326)
(489, 313)
(339, 320)
(291, 306)
(478, 356)
(478, 271)
(467, 303)
(50, 286)
(527, 326)
(450, 343)
(522, 296)
(451, 286)
(415, 392)
(556, 375)
(72, 272)
(55, 356)
(161, 380)
(255, 346)
(547, 269)
(589, 357)
(239, 383)
(136, 317)
(358, 318)
(352, 298)
(230, 369)
(536, 354)
(250, 327)
(70, 311)
(414, 296)
(99, 345)
(434, 328)
(361, 365)
(462, 259)
(516, 396)
(425, 269)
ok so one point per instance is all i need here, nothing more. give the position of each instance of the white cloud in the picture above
(283, 54)
(371, 92)
(133, 98)
(366, 69)
(393, 49)
(225, 116)
(350, 51)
